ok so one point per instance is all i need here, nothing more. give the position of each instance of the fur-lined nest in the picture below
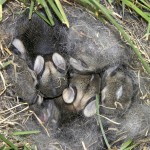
(14, 114)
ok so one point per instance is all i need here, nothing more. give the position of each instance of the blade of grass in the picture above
(141, 13)
(8, 148)
(126, 144)
(147, 32)
(53, 6)
(145, 3)
(31, 9)
(110, 1)
(123, 8)
(135, 8)
(3, 65)
(27, 147)
(131, 147)
(139, 4)
(8, 142)
(25, 132)
(147, 13)
(2, 148)
(2, 1)
(100, 123)
(85, 2)
(62, 12)
(0, 12)
(49, 15)
(43, 17)
(124, 34)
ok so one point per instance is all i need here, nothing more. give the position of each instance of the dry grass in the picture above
(13, 114)
(136, 28)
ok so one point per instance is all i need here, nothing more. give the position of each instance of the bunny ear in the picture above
(90, 109)
(59, 61)
(19, 47)
(39, 64)
(69, 95)
(104, 93)
(119, 92)
(78, 65)
(110, 71)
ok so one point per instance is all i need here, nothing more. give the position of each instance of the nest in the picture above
(14, 114)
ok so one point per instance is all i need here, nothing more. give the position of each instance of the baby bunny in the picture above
(23, 81)
(117, 90)
(47, 112)
(116, 95)
(91, 45)
(82, 90)
(70, 131)
(53, 79)
(51, 71)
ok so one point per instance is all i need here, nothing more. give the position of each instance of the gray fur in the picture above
(85, 88)
(134, 124)
(51, 82)
(88, 44)
(117, 91)
(23, 81)
(70, 131)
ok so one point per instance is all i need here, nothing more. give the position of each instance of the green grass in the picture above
(5, 64)
(128, 145)
(10, 146)
(100, 123)
(99, 8)
(141, 7)
(139, 11)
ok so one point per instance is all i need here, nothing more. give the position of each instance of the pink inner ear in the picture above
(43, 117)
(38, 64)
(45, 114)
